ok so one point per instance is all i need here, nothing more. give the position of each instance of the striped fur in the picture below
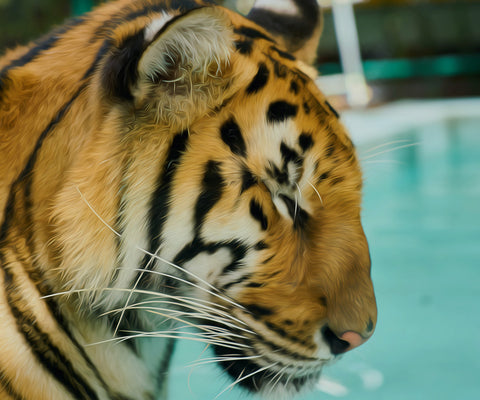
(168, 165)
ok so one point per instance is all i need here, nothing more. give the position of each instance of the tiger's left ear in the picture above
(296, 24)
(185, 68)
(177, 67)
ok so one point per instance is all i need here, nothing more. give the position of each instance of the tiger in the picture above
(170, 170)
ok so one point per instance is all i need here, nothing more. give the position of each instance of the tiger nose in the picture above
(353, 339)
(344, 342)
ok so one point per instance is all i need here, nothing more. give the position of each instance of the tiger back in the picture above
(169, 166)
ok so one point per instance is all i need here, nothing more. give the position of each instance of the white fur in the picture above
(286, 7)
(158, 23)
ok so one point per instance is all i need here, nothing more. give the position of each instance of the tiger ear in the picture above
(184, 69)
(296, 24)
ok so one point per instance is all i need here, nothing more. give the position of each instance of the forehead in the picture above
(270, 72)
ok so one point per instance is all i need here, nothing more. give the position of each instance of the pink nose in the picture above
(353, 339)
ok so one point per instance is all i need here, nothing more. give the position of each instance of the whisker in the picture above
(387, 144)
(243, 378)
(214, 360)
(316, 191)
(383, 162)
(161, 334)
(205, 336)
(201, 315)
(130, 294)
(217, 291)
(280, 375)
(190, 283)
(389, 151)
(194, 303)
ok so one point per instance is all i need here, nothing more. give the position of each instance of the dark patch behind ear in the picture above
(120, 70)
(294, 29)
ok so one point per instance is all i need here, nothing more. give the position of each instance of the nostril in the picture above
(337, 345)
(353, 338)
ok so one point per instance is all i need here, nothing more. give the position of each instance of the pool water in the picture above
(422, 218)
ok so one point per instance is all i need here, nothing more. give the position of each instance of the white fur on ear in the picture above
(158, 23)
(189, 45)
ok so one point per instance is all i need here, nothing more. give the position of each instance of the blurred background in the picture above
(405, 75)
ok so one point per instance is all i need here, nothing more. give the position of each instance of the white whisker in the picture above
(389, 151)
(383, 162)
(239, 379)
(274, 381)
(161, 334)
(219, 359)
(316, 191)
(199, 315)
(386, 144)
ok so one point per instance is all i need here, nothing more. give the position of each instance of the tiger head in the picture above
(212, 182)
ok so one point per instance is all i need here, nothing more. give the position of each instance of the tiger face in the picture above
(200, 178)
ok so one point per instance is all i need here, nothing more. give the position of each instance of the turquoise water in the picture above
(422, 218)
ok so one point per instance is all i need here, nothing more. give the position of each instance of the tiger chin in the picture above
(169, 166)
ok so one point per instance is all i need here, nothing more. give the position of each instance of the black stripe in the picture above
(43, 349)
(299, 215)
(336, 180)
(232, 136)
(305, 141)
(43, 288)
(261, 245)
(28, 168)
(120, 70)
(306, 107)
(289, 155)
(259, 80)
(280, 70)
(255, 285)
(244, 46)
(332, 109)
(252, 33)
(40, 46)
(280, 111)
(238, 281)
(26, 173)
(258, 311)
(294, 87)
(212, 189)
(323, 176)
(160, 202)
(256, 211)
(197, 246)
(281, 176)
(239, 251)
(283, 54)
(248, 179)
